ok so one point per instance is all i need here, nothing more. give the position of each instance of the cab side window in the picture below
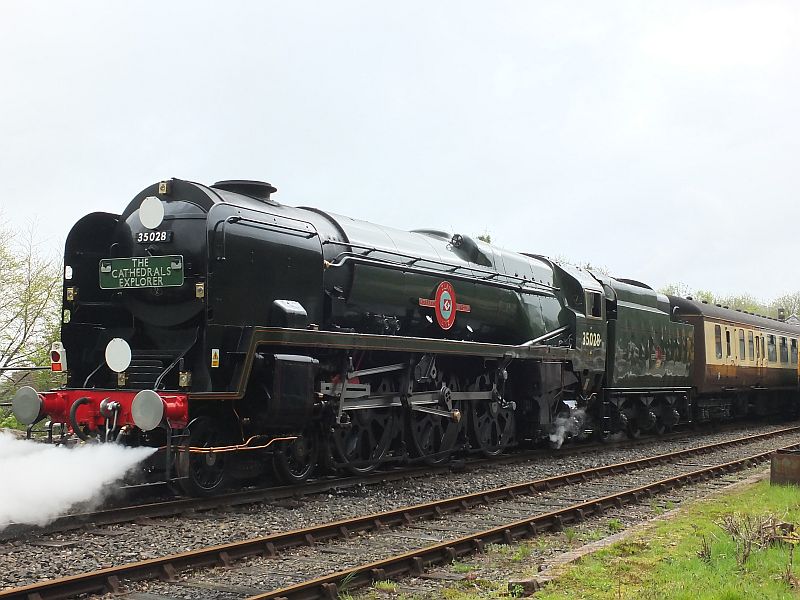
(594, 305)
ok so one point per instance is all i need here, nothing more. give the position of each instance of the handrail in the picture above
(490, 274)
(177, 360)
(348, 257)
(547, 336)
(297, 231)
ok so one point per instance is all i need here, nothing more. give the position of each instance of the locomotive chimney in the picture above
(260, 190)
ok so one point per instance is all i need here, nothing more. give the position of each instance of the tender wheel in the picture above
(615, 423)
(602, 437)
(667, 420)
(202, 473)
(492, 427)
(363, 443)
(629, 418)
(295, 461)
(633, 430)
(599, 434)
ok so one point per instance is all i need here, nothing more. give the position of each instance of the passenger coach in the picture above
(743, 363)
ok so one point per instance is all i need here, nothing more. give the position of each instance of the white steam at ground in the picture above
(567, 426)
(42, 481)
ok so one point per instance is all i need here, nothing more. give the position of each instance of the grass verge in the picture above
(694, 556)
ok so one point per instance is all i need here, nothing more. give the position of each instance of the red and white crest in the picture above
(444, 305)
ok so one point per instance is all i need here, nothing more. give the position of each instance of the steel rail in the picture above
(172, 507)
(167, 508)
(416, 561)
(167, 567)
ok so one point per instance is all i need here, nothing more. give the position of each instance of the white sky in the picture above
(657, 139)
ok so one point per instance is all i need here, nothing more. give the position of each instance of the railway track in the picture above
(499, 515)
(161, 507)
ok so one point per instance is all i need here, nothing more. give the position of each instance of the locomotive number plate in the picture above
(146, 237)
(141, 272)
(591, 338)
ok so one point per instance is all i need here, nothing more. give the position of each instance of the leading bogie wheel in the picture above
(295, 461)
(201, 471)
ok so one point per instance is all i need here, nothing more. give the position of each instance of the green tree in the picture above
(560, 258)
(748, 303)
(30, 299)
(676, 289)
(706, 295)
(597, 268)
(789, 302)
(485, 237)
(682, 290)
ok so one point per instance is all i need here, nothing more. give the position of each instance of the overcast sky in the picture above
(657, 139)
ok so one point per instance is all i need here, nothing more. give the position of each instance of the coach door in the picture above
(729, 337)
(761, 358)
(752, 365)
(740, 341)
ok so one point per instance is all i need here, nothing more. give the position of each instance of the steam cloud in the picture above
(41, 481)
(567, 426)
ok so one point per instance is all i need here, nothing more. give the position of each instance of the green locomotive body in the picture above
(234, 332)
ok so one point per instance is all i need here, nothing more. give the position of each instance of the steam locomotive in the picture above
(236, 334)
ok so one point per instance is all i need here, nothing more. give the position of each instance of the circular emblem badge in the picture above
(445, 305)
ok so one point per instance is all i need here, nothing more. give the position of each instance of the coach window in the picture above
(727, 342)
(772, 354)
(718, 340)
(750, 345)
(784, 351)
(741, 344)
(793, 351)
(594, 305)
